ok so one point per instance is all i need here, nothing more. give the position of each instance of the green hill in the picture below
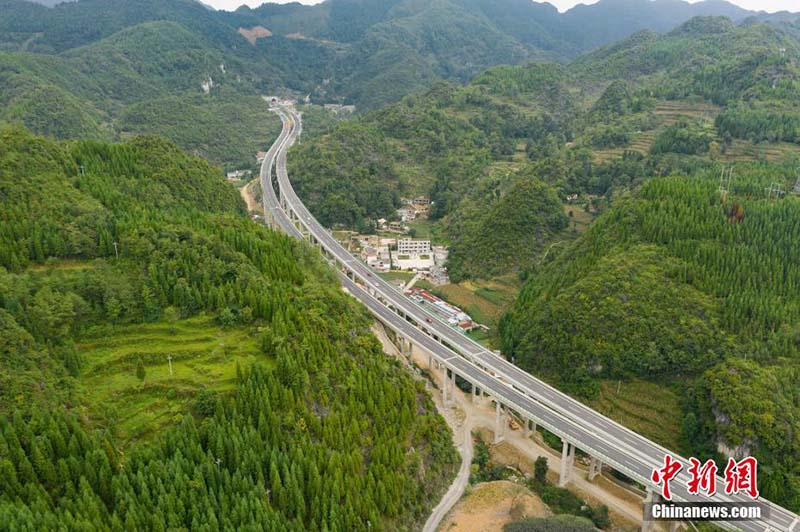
(144, 79)
(510, 234)
(674, 286)
(367, 52)
(707, 92)
(156, 342)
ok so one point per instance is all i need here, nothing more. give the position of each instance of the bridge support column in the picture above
(445, 385)
(567, 461)
(527, 431)
(648, 525)
(595, 468)
(475, 394)
(498, 423)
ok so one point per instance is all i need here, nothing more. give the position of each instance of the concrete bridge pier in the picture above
(567, 463)
(497, 437)
(404, 345)
(595, 468)
(648, 525)
(499, 423)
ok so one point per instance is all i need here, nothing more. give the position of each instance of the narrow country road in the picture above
(459, 484)
(462, 438)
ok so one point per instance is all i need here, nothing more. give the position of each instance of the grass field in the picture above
(579, 220)
(395, 275)
(651, 410)
(60, 265)
(204, 357)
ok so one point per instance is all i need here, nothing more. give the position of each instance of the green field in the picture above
(668, 112)
(485, 301)
(397, 275)
(204, 357)
(651, 410)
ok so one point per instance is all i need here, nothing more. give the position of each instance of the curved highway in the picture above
(615, 445)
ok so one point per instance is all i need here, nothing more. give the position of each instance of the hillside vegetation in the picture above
(676, 286)
(276, 408)
(144, 79)
(707, 92)
(366, 52)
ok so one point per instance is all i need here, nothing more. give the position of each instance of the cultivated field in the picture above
(204, 355)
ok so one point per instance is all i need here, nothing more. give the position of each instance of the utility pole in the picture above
(775, 188)
(725, 182)
(116, 251)
(169, 359)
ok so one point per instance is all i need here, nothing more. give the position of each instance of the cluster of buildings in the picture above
(450, 313)
(338, 109)
(408, 254)
(237, 175)
(412, 209)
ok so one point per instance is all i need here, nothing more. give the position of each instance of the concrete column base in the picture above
(499, 432)
(595, 468)
(567, 462)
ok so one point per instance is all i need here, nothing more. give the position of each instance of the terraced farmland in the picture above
(204, 357)
(647, 408)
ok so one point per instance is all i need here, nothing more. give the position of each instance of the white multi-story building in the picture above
(407, 246)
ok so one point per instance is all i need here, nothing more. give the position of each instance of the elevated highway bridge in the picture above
(513, 390)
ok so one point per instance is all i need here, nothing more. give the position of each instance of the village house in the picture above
(238, 174)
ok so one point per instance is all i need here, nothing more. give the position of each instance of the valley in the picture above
(502, 259)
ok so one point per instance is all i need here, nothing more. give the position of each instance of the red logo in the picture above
(702, 478)
(741, 476)
(666, 474)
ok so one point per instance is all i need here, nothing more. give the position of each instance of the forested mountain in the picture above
(675, 284)
(120, 263)
(156, 343)
(707, 91)
(679, 283)
(367, 52)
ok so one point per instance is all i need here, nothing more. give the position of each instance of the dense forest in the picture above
(147, 78)
(676, 284)
(68, 70)
(321, 431)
